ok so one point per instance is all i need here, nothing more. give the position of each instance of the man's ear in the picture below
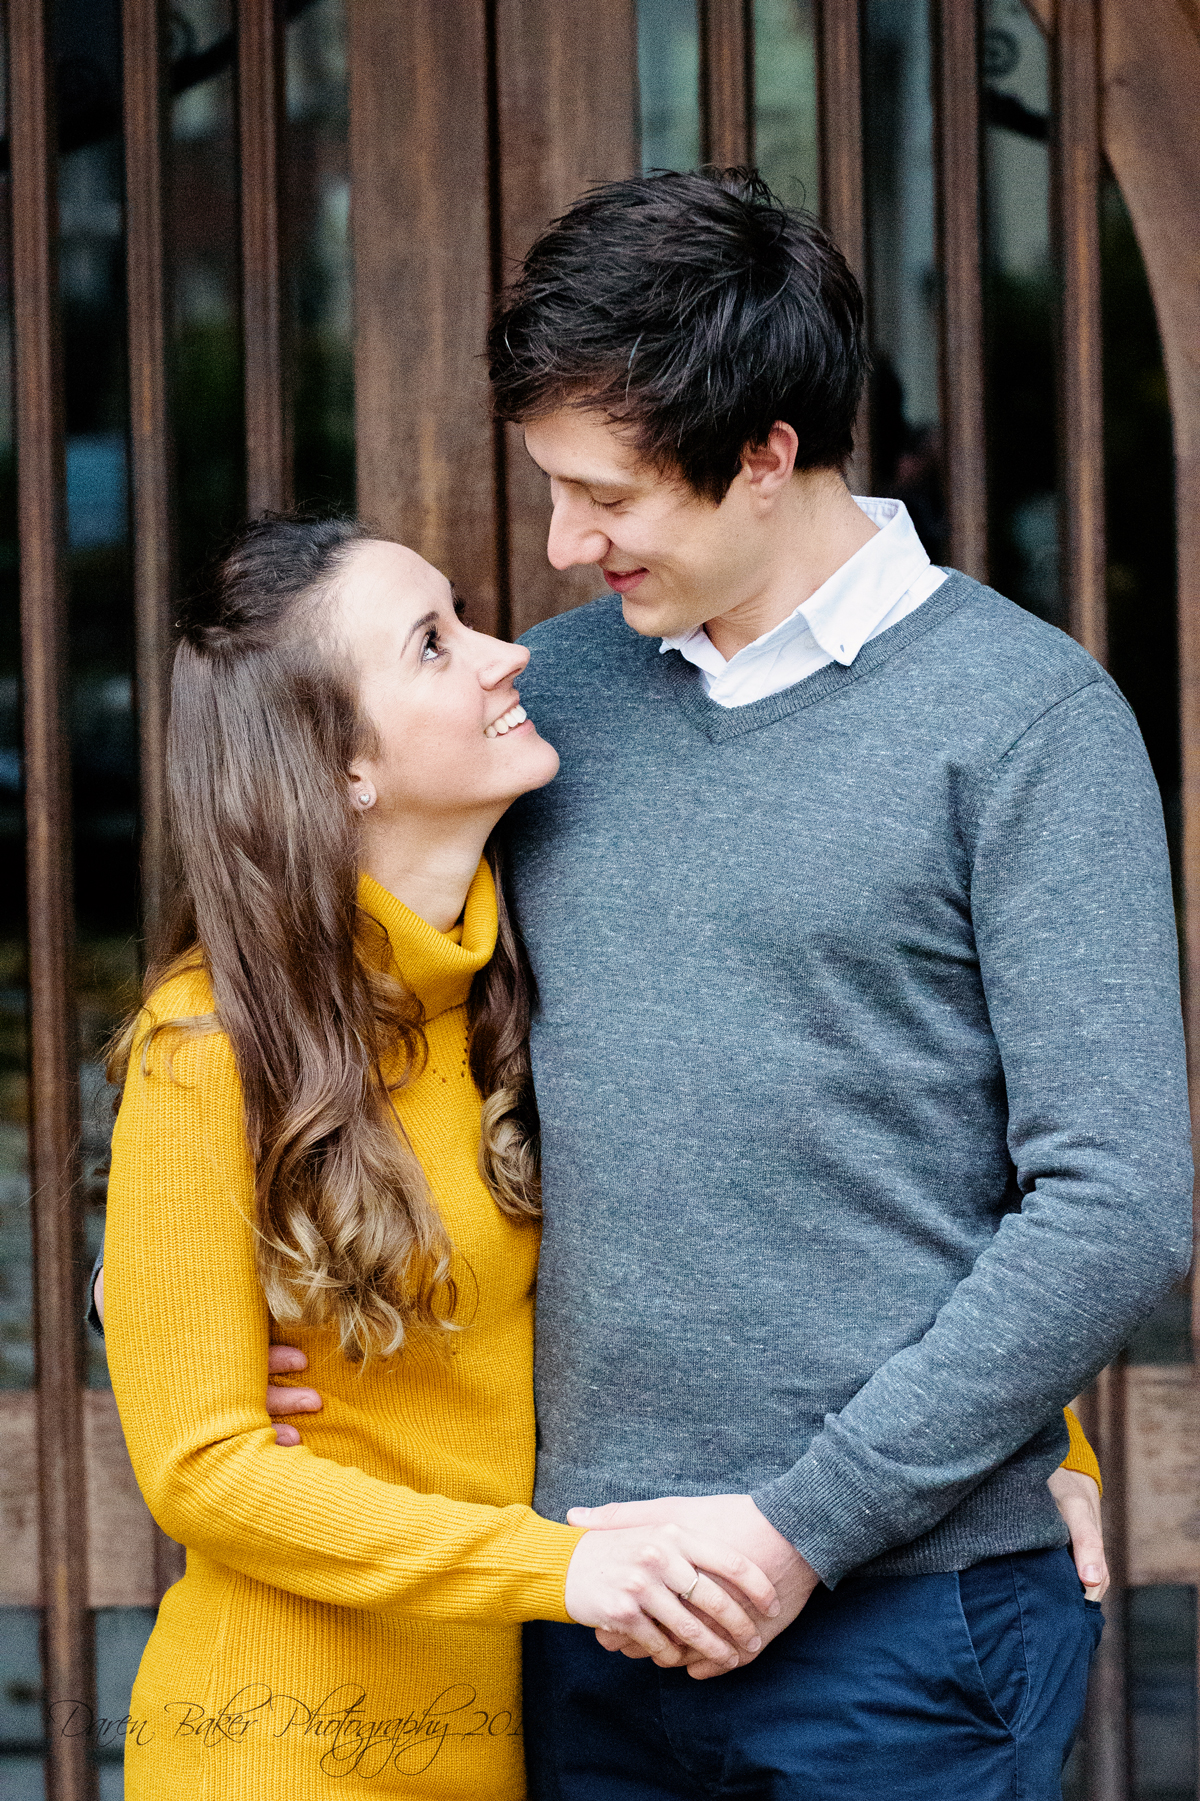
(768, 467)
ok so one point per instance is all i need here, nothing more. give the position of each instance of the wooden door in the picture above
(470, 126)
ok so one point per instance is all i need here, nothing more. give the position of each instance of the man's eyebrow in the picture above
(419, 625)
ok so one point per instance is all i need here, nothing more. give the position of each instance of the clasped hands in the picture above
(638, 1558)
(755, 1582)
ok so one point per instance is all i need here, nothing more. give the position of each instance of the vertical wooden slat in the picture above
(55, 1108)
(148, 429)
(423, 280)
(150, 459)
(1106, 1727)
(957, 139)
(559, 130)
(261, 121)
(840, 135)
(1077, 177)
(726, 81)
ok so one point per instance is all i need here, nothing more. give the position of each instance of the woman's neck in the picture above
(430, 878)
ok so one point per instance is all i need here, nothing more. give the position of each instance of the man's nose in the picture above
(573, 538)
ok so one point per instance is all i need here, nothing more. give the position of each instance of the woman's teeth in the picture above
(506, 722)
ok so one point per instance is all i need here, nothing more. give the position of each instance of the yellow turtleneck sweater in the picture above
(349, 1623)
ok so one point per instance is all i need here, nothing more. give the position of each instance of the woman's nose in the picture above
(501, 662)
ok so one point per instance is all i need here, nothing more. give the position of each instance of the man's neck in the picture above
(820, 527)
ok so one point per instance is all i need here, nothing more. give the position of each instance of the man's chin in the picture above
(649, 620)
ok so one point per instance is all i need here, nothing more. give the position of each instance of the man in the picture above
(859, 1057)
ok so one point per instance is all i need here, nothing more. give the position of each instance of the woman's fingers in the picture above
(286, 1435)
(720, 1559)
(285, 1359)
(1078, 1501)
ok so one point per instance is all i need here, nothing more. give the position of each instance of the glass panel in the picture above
(785, 100)
(16, 1248)
(1021, 303)
(669, 74)
(120, 1639)
(101, 650)
(1162, 1692)
(318, 254)
(207, 407)
(1139, 476)
(21, 1733)
(899, 175)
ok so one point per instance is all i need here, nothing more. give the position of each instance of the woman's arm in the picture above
(181, 1273)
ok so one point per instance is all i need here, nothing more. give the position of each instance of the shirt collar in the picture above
(844, 611)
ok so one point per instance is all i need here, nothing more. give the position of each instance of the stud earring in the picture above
(365, 798)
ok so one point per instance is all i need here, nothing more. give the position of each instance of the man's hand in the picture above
(285, 1360)
(736, 1520)
(1078, 1500)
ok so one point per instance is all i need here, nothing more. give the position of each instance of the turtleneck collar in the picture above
(436, 966)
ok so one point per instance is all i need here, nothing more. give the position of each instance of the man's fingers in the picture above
(285, 1359)
(292, 1400)
(710, 1599)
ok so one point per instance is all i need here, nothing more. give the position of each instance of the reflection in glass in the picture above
(899, 179)
(16, 1258)
(785, 100)
(205, 347)
(1021, 303)
(99, 585)
(669, 75)
(317, 254)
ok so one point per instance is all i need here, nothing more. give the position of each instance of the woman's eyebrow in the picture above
(419, 625)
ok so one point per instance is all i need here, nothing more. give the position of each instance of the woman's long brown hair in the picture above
(265, 726)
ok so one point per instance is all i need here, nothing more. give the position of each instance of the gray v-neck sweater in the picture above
(861, 1076)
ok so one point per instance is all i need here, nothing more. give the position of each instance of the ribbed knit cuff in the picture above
(826, 1512)
(545, 1549)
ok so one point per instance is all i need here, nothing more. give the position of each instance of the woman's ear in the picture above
(362, 793)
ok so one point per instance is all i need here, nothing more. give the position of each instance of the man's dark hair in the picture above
(697, 309)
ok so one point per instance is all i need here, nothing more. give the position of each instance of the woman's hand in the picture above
(285, 1360)
(630, 1584)
(1078, 1500)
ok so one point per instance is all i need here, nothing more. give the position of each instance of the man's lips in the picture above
(623, 581)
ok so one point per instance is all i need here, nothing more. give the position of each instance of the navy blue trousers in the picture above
(963, 1687)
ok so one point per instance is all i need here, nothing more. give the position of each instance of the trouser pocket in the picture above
(991, 1604)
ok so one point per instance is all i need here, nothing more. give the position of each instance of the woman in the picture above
(328, 1128)
(324, 1161)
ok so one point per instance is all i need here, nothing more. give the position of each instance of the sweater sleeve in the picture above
(188, 1334)
(1074, 928)
(1081, 1458)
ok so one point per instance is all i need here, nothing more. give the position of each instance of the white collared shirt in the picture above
(880, 584)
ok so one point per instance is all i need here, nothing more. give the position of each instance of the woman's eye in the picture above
(430, 650)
